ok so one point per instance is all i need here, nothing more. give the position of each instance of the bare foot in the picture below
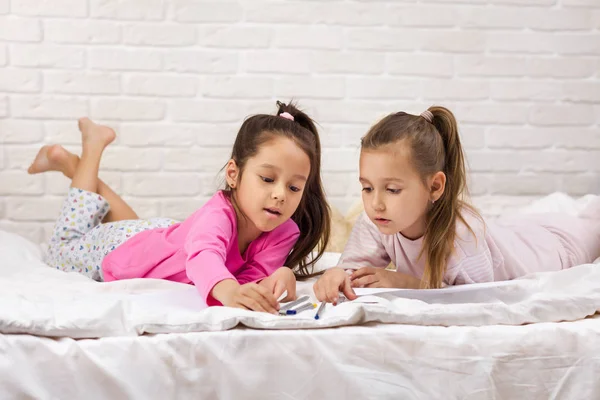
(53, 158)
(94, 134)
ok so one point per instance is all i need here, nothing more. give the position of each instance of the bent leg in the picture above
(57, 158)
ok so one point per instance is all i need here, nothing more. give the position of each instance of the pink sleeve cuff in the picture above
(205, 270)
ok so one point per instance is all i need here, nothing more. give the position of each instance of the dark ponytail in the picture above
(313, 214)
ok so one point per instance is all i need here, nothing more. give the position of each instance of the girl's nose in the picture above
(278, 194)
(378, 203)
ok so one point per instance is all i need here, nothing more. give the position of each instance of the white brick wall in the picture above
(176, 78)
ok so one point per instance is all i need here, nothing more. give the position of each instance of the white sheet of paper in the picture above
(371, 291)
(489, 292)
(450, 289)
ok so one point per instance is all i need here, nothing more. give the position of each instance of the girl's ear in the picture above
(232, 173)
(437, 185)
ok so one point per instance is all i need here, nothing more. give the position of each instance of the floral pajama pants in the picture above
(80, 240)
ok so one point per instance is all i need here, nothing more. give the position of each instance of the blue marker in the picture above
(294, 303)
(320, 310)
(305, 307)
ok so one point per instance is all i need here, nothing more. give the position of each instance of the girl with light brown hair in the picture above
(412, 172)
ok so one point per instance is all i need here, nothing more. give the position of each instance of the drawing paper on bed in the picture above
(489, 292)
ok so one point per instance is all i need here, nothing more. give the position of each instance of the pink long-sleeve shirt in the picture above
(202, 250)
(500, 250)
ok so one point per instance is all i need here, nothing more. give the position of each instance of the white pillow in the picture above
(16, 248)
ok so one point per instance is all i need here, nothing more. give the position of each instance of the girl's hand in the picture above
(329, 285)
(371, 277)
(279, 281)
(249, 296)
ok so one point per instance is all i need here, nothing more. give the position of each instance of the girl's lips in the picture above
(382, 221)
(272, 213)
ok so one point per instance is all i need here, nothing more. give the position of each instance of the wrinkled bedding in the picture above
(64, 336)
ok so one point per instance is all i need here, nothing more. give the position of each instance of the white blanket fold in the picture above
(41, 301)
(38, 300)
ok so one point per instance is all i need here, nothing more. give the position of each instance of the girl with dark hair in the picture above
(238, 249)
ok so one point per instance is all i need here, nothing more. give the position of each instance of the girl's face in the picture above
(394, 196)
(272, 184)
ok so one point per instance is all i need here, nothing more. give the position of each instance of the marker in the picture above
(309, 306)
(294, 303)
(320, 310)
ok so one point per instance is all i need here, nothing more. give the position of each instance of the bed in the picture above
(64, 336)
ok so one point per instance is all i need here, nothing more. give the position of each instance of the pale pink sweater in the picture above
(500, 250)
(202, 250)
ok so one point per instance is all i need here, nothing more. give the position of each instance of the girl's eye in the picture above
(367, 189)
(265, 179)
(394, 191)
(294, 189)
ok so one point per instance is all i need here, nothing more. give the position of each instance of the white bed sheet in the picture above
(374, 361)
(553, 360)
(42, 301)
